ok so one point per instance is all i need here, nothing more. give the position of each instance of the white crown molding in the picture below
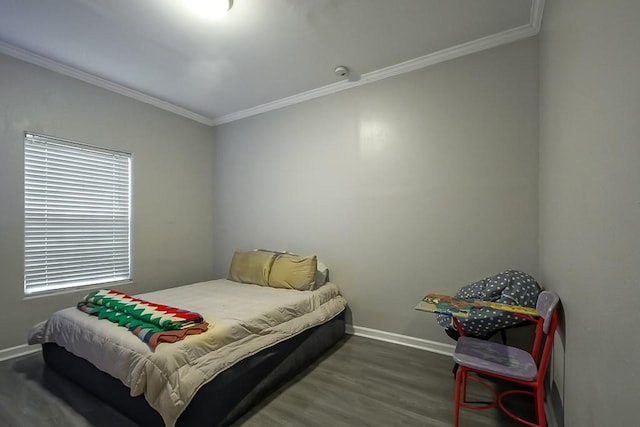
(537, 9)
(17, 351)
(528, 30)
(407, 341)
(383, 73)
(49, 64)
(494, 40)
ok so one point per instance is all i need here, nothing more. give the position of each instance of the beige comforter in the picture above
(243, 319)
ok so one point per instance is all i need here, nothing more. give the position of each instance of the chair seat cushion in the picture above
(495, 358)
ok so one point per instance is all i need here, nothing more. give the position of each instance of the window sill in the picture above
(62, 291)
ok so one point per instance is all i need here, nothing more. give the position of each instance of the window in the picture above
(77, 204)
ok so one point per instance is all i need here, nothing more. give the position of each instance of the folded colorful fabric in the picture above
(153, 338)
(152, 323)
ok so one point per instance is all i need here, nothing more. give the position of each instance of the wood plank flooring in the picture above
(361, 382)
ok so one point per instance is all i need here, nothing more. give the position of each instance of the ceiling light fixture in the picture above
(211, 9)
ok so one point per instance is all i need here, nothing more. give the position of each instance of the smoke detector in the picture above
(342, 71)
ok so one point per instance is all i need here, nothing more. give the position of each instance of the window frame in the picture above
(63, 207)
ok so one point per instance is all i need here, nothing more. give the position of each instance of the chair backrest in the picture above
(546, 305)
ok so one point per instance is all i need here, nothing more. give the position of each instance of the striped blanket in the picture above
(152, 323)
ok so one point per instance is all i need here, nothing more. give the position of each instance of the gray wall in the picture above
(172, 175)
(420, 182)
(590, 201)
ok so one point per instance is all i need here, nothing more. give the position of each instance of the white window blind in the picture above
(76, 215)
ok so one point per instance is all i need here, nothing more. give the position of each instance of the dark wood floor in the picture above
(361, 382)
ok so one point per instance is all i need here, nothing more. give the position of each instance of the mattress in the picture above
(244, 319)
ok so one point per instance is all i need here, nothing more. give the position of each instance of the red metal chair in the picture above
(509, 363)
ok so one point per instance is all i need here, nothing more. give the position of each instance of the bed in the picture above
(258, 337)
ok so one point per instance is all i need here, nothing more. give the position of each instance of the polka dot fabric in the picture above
(509, 287)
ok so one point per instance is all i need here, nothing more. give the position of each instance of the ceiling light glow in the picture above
(211, 9)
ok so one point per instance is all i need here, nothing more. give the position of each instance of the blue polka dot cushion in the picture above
(509, 287)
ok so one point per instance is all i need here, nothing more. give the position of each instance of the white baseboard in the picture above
(419, 343)
(550, 414)
(435, 347)
(553, 407)
(17, 351)
(422, 344)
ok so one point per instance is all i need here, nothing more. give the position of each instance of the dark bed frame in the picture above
(219, 402)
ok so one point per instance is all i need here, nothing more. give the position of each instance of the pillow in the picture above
(322, 271)
(322, 275)
(293, 272)
(251, 267)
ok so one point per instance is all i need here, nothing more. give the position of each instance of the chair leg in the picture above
(539, 393)
(460, 377)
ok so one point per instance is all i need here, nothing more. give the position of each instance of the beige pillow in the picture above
(251, 267)
(293, 272)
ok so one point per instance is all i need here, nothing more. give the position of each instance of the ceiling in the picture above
(264, 54)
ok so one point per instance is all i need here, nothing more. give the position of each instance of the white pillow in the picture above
(322, 275)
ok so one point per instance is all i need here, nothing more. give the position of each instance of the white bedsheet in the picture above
(243, 319)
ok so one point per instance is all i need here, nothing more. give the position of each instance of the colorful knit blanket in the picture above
(152, 323)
